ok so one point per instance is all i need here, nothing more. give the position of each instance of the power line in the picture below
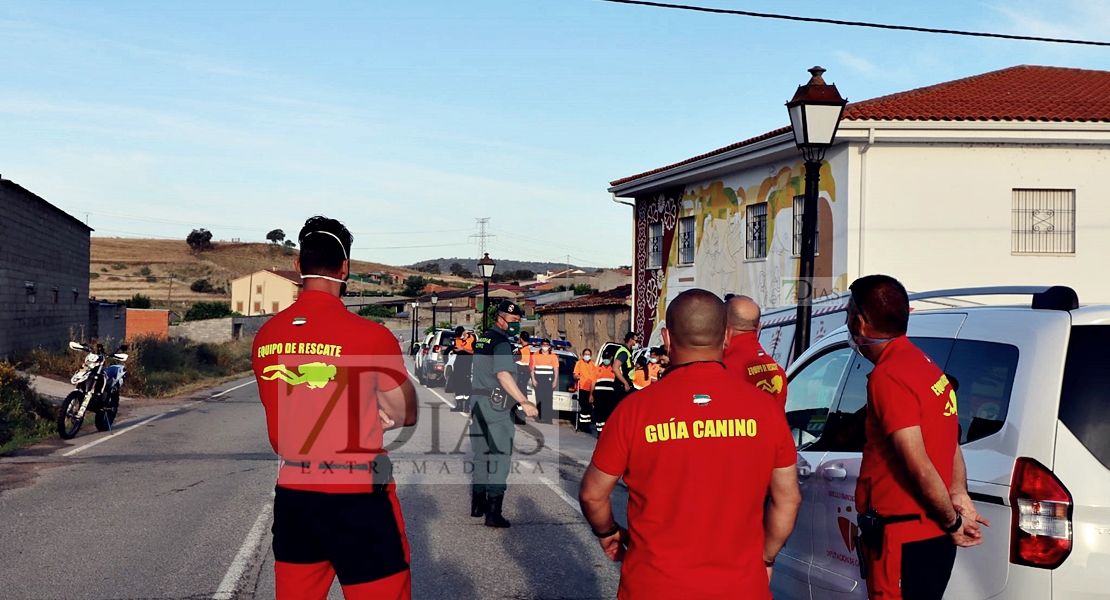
(748, 13)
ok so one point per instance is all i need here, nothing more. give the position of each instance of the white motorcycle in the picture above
(97, 389)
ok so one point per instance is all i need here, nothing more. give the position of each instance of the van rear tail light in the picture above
(1041, 529)
(436, 348)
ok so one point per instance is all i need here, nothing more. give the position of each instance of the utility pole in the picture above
(169, 295)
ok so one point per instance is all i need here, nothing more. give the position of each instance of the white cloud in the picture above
(857, 63)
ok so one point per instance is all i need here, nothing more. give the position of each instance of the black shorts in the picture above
(357, 533)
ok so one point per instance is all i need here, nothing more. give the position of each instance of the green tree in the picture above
(137, 301)
(374, 310)
(200, 239)
(584, 289)
(201, 286)
(208, 310)
(276, 236)
(414, 286)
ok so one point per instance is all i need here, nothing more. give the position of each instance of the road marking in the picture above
(115, 434)
(233, 389)
(228, 586)
(558, 489)
(444, 400)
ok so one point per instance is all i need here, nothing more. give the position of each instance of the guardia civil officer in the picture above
(491, 428)
(745, 355)
(318, 365)
(911, 495)
(694, 440)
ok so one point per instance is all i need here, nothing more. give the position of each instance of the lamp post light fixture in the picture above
(451, 314)
(815, 112)
(434, 300)
(485, 269)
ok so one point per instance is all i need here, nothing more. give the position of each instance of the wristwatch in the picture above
(955, 526)
(768, 563)
(616, 529)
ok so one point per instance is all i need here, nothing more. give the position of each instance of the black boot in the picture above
(493, 515)
(458, 407)
(478, 504)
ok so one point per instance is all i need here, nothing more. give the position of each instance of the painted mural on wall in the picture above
(721, 262)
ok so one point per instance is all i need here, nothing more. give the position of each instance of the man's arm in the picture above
(597, 507)
(555, 382)
(960, 497)
(508, 383)
(782, 510)
(618, 372)
(399, 403)
(929, 488)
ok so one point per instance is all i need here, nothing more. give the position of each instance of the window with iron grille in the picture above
(686, 241)
(655, 245)
(799, 211)
(756, 217)
(1043, 222)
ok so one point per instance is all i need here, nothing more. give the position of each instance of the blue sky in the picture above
(409, 119)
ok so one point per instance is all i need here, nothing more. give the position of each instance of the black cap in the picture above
(509, 308)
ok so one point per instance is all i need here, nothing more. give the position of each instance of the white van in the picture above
(1034, 412)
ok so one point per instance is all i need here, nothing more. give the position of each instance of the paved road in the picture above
(179, 507)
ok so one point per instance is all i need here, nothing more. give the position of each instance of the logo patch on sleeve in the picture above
(300, 321)
(701, 399)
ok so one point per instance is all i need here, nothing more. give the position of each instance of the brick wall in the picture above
(144, 322)
(43, 247)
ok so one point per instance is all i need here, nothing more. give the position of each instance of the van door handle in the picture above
(834, 473)
(804, 472)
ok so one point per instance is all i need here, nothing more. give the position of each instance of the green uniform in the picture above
(491, 426)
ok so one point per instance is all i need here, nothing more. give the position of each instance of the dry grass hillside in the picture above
(164, 269)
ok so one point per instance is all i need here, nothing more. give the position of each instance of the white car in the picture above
(432, 357)
(1034, 411)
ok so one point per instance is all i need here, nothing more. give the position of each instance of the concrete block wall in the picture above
(107, 323)
(44, 246)
(245, 327)
(208, 331)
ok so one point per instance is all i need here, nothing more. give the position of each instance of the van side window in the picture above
(1084, 403)
(985, 372)
(845, 429)
(811, 394)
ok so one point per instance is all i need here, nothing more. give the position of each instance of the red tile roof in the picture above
(614, 297)
(1021, 93)
(293, 276)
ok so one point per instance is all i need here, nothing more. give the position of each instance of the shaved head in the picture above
(743, 314)
(696, 321)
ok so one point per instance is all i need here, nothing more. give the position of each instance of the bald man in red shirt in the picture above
(695, 440)
(745, 355)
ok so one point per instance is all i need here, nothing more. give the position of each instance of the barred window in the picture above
(1043, 222)
(799, 212)
(686, 241)
(655, 245)
(756, 217)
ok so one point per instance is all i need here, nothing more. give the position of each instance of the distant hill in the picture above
(502, 265)
(122, 267)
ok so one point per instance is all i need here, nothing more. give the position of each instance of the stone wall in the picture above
(586, 327)
(218, 331)
(44, 273)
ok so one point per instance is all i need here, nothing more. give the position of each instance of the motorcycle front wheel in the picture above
(68, 423)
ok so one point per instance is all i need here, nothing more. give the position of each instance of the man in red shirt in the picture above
(912, 479)
(331, 382)
(745, 355)
(694, 441)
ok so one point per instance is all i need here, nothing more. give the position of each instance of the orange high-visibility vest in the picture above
(640, 380)
(466, 345)
(525, 352)
(586, 373)
(544, 364)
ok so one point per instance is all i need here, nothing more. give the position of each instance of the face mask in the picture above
(606, 361)
(653, 360)
(513, 328)
(586, 357)
(635, 346)
(855, 346)
(545, 349)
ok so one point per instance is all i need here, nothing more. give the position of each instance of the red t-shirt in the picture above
(746, 357)
(319, 368)
(906, 389)
(696, 450)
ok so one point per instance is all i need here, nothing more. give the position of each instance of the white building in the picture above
(989, 180)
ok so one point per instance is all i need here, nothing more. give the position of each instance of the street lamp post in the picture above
(815, 113)
(435, 300)
(451, 314)
(415, 305)
(485, 269)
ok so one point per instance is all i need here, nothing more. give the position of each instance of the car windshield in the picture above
(566, 372)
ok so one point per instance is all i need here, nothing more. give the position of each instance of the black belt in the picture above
(381, 468)
(476, 392)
